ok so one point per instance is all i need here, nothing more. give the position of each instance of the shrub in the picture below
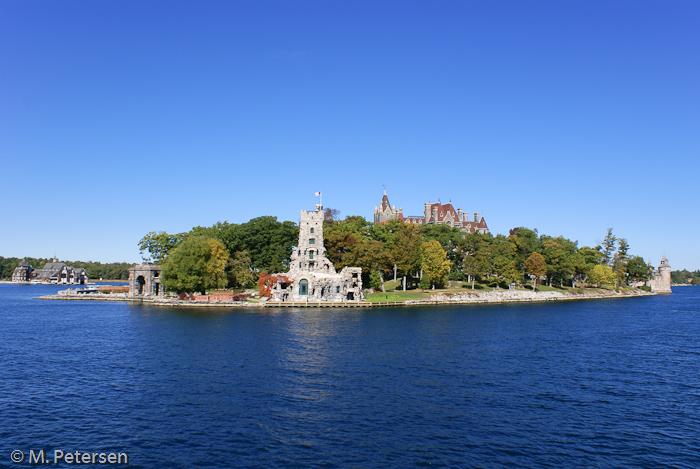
(424, 283)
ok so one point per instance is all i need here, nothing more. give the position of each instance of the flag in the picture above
(317, 194)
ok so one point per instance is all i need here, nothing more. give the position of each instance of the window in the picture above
(312, 231)
(337, 289)
(311, 254)
(300, 265)
(312, 241)
(303, 287)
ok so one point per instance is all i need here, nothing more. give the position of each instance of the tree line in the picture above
(234, 255)
(95, 270)
(686, 278)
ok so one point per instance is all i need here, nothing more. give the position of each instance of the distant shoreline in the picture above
(94, 282)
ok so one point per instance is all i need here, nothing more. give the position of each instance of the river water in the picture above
(597, 383)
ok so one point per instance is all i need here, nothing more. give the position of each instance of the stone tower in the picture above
(661, 278)
(385, 211)
(311, 276)
(310, 255)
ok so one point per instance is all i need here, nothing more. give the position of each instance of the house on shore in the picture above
(53, 272)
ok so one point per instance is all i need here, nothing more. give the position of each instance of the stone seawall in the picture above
(508, 296)
(499, 296)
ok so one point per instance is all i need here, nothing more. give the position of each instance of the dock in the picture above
(329, 304)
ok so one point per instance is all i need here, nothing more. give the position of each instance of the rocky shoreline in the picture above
(498, 296)
(508, 296)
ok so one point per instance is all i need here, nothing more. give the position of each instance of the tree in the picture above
(526, 242)
(473, 250)
(449, 238)
(536, 266)
(608, 248)
(435, 263)
(268, 242)
(588, 257)
(405, 247)
(638, 269)
(265, 284)
(331, 214)
(196, 265)
(500, 260)
(159, 244)
(558, 253)
(239, 270)
(601, 274)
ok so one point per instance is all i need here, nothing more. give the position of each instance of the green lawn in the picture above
(392, 285)
(396, 296)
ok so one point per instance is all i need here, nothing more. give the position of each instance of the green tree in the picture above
(601, 274)
(535, 266)
(620, 261)
(268, 242)
(196, 265)
(500, 265)
(159, 244)
(435, 263)
(239, 270)
(526, 242)
(562, 258)
(449, 238)
(638, 269)
(405, 248)
(473, 250)
(608, 248)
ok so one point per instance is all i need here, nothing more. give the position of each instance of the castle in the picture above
(433, 214)
(660, 281)
(312, 277)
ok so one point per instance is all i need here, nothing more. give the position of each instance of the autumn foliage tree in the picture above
(265, 283)
(435, 263)
(195, 265)
(536, 266)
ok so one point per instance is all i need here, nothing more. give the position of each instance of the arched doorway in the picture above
(140, 282)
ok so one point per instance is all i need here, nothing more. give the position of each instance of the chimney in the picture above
(459, 214)
(476, 217)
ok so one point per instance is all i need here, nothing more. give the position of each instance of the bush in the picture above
(375, 282)
(424, 283)
(645, 288)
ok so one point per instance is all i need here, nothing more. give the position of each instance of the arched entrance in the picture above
(303, 287)
(140, 282)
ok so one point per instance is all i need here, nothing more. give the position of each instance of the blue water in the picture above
(603, 383)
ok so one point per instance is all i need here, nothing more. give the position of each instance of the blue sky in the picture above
(122, 117)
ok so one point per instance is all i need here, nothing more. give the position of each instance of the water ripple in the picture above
(583, 384)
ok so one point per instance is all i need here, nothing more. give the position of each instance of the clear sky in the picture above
(122, 117)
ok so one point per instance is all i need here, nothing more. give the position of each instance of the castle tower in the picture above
(385, 211)
(310, 255)
(661, 278)
(665, 275)
(311, 276)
